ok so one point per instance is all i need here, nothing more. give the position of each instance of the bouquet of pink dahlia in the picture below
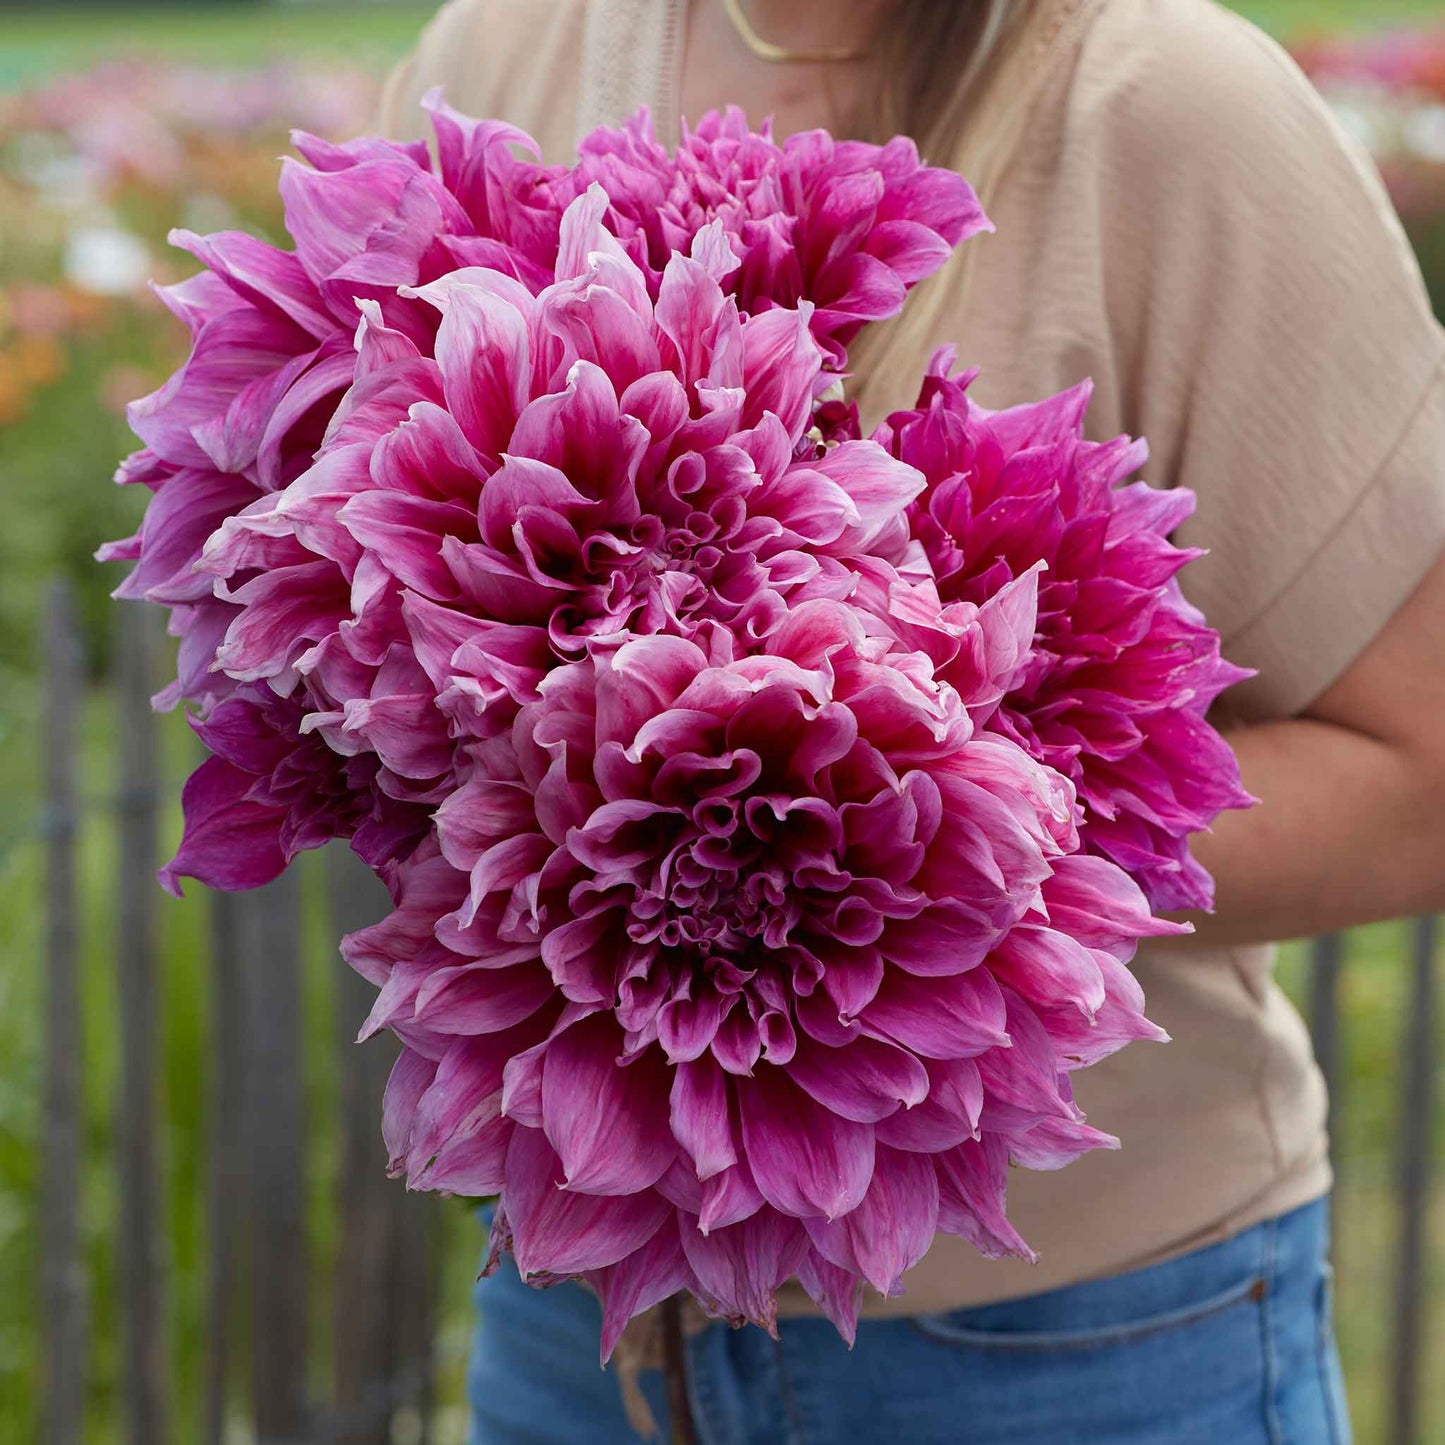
(770, 811)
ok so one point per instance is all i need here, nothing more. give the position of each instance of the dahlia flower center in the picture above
(708, 904)
(741, 880)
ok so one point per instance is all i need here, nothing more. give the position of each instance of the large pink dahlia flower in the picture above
(581, 463)
(1122, 670)
(725, 969)
(846, 228)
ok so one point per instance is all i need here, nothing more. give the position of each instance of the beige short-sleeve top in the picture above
(1179, 219)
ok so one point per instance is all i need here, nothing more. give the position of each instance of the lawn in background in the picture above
(39, 38)
(54, 38)
(1288, 18)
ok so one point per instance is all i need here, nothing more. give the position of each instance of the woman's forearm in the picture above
(1348, 830)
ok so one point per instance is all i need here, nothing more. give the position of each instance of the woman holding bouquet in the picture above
(1177, 218)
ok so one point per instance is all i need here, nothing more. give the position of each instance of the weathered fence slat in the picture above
(1326, 959)
(362, 1404)
(383, 1301)
(414, 1303)
(1416, 1118)
(141, 1275)
(269, 953)
(226, 1175)
(64, 1295)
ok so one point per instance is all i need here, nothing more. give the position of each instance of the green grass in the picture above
(1294, 17)
(39, 39)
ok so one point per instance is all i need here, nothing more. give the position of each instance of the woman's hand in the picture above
(1350, 827)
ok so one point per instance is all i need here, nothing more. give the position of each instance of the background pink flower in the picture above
(1120, 676)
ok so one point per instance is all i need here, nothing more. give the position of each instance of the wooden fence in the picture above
(258, 1297)
(256, 1135)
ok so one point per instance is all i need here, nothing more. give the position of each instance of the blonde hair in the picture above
(945, 63)
(936, 57)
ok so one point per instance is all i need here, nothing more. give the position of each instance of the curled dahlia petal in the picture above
(1115, 687)
(845, 225)
(272, 342)
(800, 957)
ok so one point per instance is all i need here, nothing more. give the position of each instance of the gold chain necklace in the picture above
(766, 50)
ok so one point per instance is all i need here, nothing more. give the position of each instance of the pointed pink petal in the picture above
(556, 1231)
(607, 1123)
(806, 1160)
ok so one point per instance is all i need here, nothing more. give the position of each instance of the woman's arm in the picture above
(1350, 827)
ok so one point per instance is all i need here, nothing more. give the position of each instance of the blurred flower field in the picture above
(102, 150)
(1388, 90)
(95, 168)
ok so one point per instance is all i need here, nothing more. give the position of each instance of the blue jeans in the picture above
(1229, 1345)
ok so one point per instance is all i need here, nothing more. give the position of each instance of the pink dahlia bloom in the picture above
(845, 227)
(728, 969)
(581, 463)
(1122, 671)
(272, 336)
(843, 224)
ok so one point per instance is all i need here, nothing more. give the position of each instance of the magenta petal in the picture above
(972, 1180)
(265, 276)
(649, 1275)
(484, 350)
(1048, 967)
(1053, 1143)
(472, 1161)
(947, 1117)
(838, 1292)
(608, 1124)
(476, 999)
(229, 842)
(462, 1102)
(700, 1117)
(953, 1017)
(781, 363)
(333, 215)
(879, 486)
(891, 1230)
(411, 1076)
(556, 1231)
(729, 1197)
(866, 1080)
(740, 1269)
(806, 1160)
